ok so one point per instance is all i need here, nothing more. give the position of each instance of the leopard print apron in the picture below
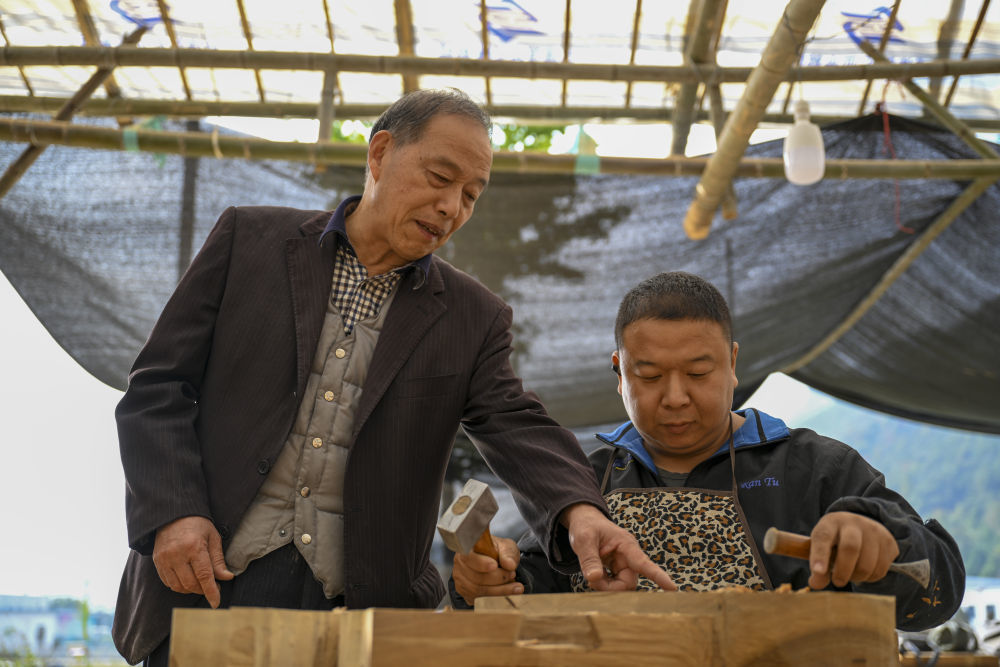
(699, 536)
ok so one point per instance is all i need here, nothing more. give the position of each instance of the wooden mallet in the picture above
(465, 525)
(797, 546)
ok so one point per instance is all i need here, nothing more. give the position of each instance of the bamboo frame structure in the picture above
(100, 77)
(776, 60)
(204, 144)
(123, 56)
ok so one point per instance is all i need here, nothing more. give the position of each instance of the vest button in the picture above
(263, 466)
(317, 442)
(306, 538)
(329, 395)
(304, 492)
(340, 353)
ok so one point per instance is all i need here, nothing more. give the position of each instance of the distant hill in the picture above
(946, 474)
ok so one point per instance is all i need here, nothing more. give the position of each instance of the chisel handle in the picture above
(784, 543)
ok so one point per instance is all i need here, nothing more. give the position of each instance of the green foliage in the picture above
(949, 475)
(534, 138)
(350, 131)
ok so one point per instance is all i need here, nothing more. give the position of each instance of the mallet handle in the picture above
(484, 545)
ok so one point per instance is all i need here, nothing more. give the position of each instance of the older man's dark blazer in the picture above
(214, 392)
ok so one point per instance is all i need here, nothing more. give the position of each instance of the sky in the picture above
(62, 492)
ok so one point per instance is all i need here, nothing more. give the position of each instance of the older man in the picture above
(288, 423)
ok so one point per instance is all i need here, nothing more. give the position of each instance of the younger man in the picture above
(699, 484)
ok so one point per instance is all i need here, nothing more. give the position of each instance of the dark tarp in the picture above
(90, 240)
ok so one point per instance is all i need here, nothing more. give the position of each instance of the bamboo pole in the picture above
(696, 53)
(886, 34)
(947, 33)
(404, 39)
(20, 70)
(944, 116)
(248, 35)
(204, 144)
(633, 47)
(19, 166)
(567, 38)
(168, 24)
(97, 107)
(331, 87)
(16, 56)
(730, 209)
(88, 29)
(968, 48)
(776, 60)
(485, 35)
(902, 263)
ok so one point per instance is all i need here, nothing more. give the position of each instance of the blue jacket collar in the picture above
(758, 429)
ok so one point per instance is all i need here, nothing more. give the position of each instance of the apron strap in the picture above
(607, 470)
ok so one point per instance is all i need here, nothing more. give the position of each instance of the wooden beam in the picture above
(16, 56)
(205, 144)
(776, 60)
(902, 263)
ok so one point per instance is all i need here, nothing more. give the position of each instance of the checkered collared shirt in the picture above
(357, 295)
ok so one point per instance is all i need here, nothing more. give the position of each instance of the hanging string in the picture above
(887, 146)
